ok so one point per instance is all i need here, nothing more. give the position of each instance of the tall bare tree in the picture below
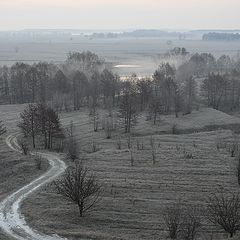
(128, 105)
(29, 123)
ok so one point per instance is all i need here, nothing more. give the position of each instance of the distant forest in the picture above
(214, 36)
(85, 79)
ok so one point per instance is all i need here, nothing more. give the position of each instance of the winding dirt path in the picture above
(12, 222)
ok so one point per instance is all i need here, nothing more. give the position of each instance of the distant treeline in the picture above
(144, 33)
(85, 80)
(214, 36)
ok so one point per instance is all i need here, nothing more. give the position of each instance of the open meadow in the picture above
(188, 167)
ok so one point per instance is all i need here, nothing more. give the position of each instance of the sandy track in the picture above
(12, 221)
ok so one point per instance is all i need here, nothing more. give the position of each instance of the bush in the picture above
(24, 147)
(39, 162)
(72, 149)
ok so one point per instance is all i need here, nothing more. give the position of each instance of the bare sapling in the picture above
(153, 149)
(131, 157)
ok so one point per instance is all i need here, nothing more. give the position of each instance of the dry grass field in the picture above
(188, 167)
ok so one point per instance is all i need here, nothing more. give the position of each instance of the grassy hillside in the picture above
(187, 167)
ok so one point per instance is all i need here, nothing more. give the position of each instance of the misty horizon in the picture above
(196, 14)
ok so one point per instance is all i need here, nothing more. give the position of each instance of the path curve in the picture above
(12, 222)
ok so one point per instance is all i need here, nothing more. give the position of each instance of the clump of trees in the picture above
(79, 186)
(39, 120)
(86, 80)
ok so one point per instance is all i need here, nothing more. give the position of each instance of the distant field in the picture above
(125, 51)
(134, 197)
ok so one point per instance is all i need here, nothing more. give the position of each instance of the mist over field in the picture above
(142, 52)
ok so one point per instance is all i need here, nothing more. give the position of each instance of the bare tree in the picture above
(213, 89)
(155, 108)
(191, 224)
(189, 94)
(108, 127)
(79, 186)
(144, 87)
(29, 123)
(224, 210)
(128, 105)
(173, 218)
(53, 126)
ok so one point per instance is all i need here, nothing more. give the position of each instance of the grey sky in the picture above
(114, 14)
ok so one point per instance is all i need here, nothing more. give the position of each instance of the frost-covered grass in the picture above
(187, 167)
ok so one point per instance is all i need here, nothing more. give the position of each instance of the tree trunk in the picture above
(80, 206)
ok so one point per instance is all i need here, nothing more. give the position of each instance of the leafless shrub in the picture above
(103, 122)
(153, 153)
(152, 142)
(224, 211)
(119, 144)
(60, 147)
(173, 218)
(23, 146)
(108, 128)
(234, 146)
(72, 152)
(191, 224)
(178, 148)
(182, 222)
(131, 157)
(94, 147)
(39, 161)
(79, 186)
(140, 145)
(153, 149)
(188, 155)
(221, 145)
(174, 129)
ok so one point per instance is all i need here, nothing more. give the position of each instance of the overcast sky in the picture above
(120, 14)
